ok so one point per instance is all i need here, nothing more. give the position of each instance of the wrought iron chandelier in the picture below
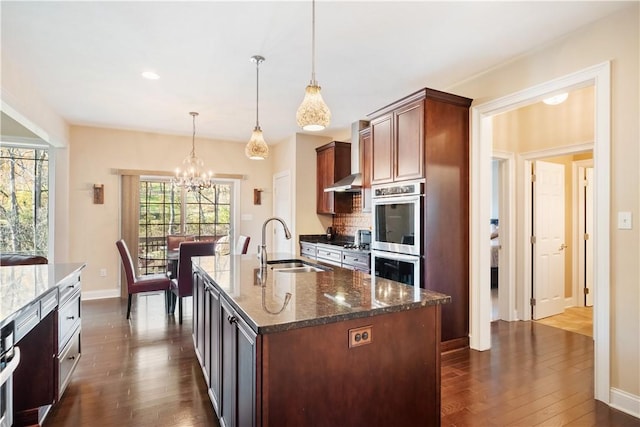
(192, 176)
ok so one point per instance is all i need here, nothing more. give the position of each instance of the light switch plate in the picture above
(624, 221)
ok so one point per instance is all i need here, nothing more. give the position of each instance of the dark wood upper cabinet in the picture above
(333, 164)
(409, 141)
(382, 160)
(366, 168)
(398, 144)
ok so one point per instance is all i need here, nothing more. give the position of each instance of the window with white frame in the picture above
(24, 199)
(165, 209)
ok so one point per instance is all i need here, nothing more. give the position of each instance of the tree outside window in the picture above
(24, 200)
(165, 209)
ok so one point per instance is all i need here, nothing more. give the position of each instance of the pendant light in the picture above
(192, 176)
(313, 114)
(257, 148)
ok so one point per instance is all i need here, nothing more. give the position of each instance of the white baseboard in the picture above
(625, 402)
(102, 294)
(569, 302)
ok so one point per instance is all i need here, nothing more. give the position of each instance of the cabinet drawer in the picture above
(27, 320)
(68, 319)
(67, 361)
(48, 303)
(356, 261)
(330, 255)
(308, 250)
(68, 288)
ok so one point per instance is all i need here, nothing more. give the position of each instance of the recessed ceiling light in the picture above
(150, 75)
(556, 99)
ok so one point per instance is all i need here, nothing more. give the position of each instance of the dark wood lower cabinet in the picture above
(34, 382)
(48, 334)
(312, 376)
(238, 348)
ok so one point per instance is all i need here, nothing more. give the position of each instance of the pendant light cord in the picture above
(313, 43)
(257, 91)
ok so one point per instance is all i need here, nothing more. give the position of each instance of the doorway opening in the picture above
(599, 77)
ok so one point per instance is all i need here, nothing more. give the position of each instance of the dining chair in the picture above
(144, 283)
(182, 285)
(243, 244)
(174, 240)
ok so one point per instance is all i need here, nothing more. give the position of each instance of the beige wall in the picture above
(298, 154)
(539, 126)
(94, 155)
(20, 97)
(614, 39)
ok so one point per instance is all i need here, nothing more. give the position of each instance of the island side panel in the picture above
(310, 376)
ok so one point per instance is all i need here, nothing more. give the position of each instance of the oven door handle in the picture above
(7, 372)
(394, 200)
(395, 256)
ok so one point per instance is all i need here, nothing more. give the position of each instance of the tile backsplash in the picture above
(347, 224)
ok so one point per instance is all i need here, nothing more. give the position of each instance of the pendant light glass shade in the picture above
(313, 114)
(257, 148)
(192, 176)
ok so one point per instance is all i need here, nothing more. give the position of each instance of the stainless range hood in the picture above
(352, 183)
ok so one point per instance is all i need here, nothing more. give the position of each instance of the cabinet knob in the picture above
(232, 319)
(71, 317)
(71, 357)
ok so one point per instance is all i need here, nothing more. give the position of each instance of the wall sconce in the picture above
(98, 194)
(257, 196)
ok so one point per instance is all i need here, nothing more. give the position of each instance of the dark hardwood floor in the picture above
(138, 373)
(145, 373)
(534, 375)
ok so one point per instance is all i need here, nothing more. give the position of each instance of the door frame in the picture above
(578, 213)
(507, 226)
(480, 209)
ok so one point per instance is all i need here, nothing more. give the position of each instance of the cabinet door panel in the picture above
(382, 153)
(199, 315)
(409, 129)
(227, 351)
(325, 164)
(366, 168)
(214, 348)
(246, 371)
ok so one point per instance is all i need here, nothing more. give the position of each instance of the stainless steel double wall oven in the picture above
(396, 244)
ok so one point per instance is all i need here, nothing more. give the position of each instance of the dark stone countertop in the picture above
(21, 285)
(316, 298)
(322, 238)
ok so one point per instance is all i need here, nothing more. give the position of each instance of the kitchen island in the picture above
(40, 314)
(331, 347)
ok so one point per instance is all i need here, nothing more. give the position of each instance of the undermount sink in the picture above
(296, 266)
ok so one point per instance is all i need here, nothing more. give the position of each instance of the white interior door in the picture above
(588, 214)
(282, 209)
(548, 249)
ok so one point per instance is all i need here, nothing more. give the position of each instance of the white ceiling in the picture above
(85, 58)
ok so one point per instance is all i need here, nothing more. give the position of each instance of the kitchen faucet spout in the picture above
(262, 250)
